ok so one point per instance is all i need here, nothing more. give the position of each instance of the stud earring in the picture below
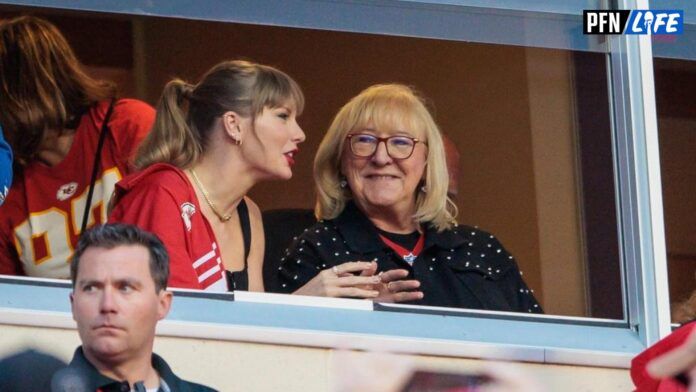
(343, 183)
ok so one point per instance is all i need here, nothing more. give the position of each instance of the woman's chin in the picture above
(277, 174)
(284, 175)
(380, 202)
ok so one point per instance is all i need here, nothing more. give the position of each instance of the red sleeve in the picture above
(9, 264)
(131, 123)
(155, 209)
(9, 259)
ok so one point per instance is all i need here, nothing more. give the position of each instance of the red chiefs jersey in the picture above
(160, 199)
(42, 216)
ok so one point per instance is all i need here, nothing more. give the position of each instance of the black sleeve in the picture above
(301, 263)
(519, 295)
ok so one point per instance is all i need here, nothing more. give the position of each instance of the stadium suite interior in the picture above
(532, 127)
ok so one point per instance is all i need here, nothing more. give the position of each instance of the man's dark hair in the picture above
(112, 235)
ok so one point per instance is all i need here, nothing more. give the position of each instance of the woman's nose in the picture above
(381, 155)
(299, 135)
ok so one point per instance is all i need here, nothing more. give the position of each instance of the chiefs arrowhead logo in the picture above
(66, 191)
(187, 211)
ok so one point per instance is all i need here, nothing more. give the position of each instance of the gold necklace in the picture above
(223, 218)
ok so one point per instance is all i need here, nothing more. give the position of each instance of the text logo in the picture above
(648, 22)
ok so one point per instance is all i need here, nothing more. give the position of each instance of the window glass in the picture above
(532, 126)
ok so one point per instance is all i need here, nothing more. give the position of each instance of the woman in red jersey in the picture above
(53, 115)
(211, 143)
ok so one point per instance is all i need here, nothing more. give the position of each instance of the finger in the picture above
(337, 272)
(402, 285)
(330, 274)
(406, 296)
(369, 271)
(395, 274)
(354, 266)
(353, 292)
(353, 280)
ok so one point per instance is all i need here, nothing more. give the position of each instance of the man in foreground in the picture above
(119, 275)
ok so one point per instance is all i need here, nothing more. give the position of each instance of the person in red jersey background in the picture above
(53, 115)
(210, 144)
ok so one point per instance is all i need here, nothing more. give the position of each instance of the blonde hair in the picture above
(381, 105)
(186, 112)
(685, 311)
(42, 85)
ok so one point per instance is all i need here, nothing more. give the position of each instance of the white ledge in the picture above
(343, 340)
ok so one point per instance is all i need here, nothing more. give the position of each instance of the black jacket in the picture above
(81, 375)
(462, 267)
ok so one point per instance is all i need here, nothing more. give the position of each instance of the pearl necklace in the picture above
(223, 218)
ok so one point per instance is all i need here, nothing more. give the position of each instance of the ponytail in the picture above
(171, 140)
(186, 113)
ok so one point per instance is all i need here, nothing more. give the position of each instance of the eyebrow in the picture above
(397, 132)
(129, 281)
(118, 282)
(83, 282)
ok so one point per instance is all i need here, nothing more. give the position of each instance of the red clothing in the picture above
(160, 199)
(42, 216)
(639, 374)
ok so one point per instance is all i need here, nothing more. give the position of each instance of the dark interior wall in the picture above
(597, 176)
(675, 84)
(478, 93)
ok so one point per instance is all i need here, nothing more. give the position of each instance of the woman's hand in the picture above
(340, 281)
(393, 287)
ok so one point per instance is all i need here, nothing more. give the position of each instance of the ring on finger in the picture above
(335, 270)
(389, 287)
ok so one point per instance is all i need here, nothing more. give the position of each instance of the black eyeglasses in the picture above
(398, 147)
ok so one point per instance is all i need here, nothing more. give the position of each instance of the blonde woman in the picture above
(212, 141)
(385, 215)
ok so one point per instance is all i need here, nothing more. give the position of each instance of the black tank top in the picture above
(239, 280)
